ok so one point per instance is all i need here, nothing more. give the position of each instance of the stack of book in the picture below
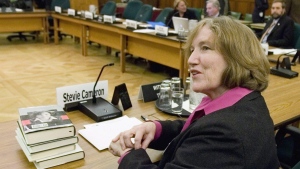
(47, 136)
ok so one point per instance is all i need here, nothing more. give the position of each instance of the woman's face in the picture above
(181, 7)
(206, 64)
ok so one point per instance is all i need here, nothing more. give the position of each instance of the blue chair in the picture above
(296, 40)
(109, 8)
(132, 9)
(144, 14)
(163, 15)
(197, 12)
(288, 146)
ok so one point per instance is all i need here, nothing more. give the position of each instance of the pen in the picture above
(144, 118)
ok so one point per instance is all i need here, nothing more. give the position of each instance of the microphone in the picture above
(94, 93)
(99, 109)
(281, 71)
(171, 18)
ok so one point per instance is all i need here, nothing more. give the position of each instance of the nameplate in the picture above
(57, 9)
(108, 19)
(161, 30)
(71, 12)
(76, 93)
(131, 24)
(88, 15)
(121, 93)
(149, 92)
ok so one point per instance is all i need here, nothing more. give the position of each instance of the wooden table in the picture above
(24, 22)
(163, 50)
(260, 26)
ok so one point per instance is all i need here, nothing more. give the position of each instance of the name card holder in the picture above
(121, 93)
(131, 24)
(71, 12)
(57, 9)
(88, 15)
(161, 30)
(108, 19)
(149, 92)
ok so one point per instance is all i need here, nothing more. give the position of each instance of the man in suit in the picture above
(213, 8)
(292, 9)
(258, 15)
(279, 29)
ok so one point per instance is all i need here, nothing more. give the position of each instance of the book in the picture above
(102, 139)
(44, 123)
(63, 158)
(43, 154)
(33, 148)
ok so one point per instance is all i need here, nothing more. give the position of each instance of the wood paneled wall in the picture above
(243, 6)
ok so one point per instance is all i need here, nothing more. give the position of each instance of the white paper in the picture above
(278, 51)
(100, 135)
(144, 31)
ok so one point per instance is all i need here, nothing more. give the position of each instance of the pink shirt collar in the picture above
(229, 98)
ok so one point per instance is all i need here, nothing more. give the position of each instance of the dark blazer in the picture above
(239, 136)
(282, 33)
(292, 9)
(260, 6)
(188, 14)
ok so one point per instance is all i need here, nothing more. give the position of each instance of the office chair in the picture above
(235, 15)
(109, 8)
(296, 41)
(144, 14)
(248, 17)
(132, 9)
(197, 12)
(64, 4)
(163, 15)
(288, 146)
(26, 5)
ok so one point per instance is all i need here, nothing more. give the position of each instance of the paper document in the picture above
(100, 134)
(278, 51)
(144, 31)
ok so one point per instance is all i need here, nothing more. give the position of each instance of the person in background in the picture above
(213, 8)
(180, 10)
(293, 9)
(258, 14)
(230, 67)
(279, 30)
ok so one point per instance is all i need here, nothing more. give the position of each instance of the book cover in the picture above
(60, 159)
(38, 118)
(47, 144)
(43, 154)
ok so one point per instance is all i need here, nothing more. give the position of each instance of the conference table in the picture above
(25, 22)
(282, 98)
(163, 50)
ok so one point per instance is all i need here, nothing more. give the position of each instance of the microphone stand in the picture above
(94, 93)
(283, 72)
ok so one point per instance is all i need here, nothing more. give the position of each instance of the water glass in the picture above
(175, 82)
(164, 99)
(177, 100)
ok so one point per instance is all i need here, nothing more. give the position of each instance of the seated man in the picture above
(279, 29)
(213, 8)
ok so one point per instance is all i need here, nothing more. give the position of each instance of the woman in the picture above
(231, 128)
(180, 10)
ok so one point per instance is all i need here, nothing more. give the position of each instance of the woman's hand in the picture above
(143, 134)
(116, 150)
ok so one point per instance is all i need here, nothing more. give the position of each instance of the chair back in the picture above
(144, 14)
(109, 8)
(248, 17)
(197, 12)
(64, 4)
(163, 15)
(235, 15)
(296, 40)
(132, 9)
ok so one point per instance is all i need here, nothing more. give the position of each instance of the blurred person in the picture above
(258, 14)
(230, 67)
(279, 30)
(180, 10)
(213, 8)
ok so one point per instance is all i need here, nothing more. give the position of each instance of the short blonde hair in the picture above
(176, 2)
(247, 64)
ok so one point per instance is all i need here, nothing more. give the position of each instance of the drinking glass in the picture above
(164, 100)
(177, 100)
